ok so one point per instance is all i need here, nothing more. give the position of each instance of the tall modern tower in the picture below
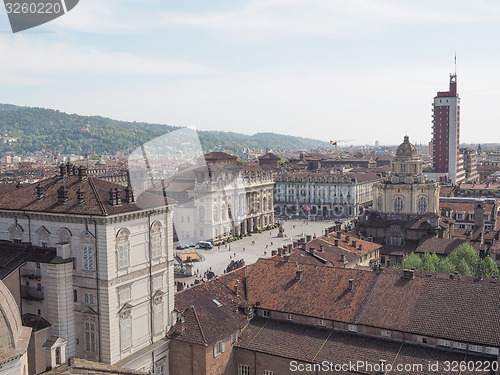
(446, 134)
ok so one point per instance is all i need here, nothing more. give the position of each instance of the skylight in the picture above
(217, 303)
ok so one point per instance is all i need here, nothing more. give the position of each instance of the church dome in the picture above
(10, 320)
(406, 149)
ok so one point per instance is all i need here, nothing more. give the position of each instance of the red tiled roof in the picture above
(321, 292)
(95, 191)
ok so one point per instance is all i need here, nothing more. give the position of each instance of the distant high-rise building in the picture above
(446, 134)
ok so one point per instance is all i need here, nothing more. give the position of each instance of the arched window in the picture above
(64, 235)
(156, 249)
(123, 248)
(87, 241)
(398, 204)
(16, 233)
(379, 202)
(422, 205)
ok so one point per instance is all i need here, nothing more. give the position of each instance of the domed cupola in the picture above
(406, 150)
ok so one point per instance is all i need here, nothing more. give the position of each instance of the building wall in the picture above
(187, 359)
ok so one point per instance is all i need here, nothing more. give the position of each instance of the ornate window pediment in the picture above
(158, 297)
(126, 311)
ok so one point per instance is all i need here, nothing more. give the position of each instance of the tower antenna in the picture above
(455, 63)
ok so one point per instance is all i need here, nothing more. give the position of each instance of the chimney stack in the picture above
(351, 284)
(347, 238)
(82, 173)
(321, 248)
(62, 170)
(354, 243)
(80, 196)
(298, 275)
(118, 196)
(408, 274)
(360, 246)
(343, 258)
(73, 169)
(62, 195)
(336, 241)
(68, 168)
(129, 194)
(39, 192)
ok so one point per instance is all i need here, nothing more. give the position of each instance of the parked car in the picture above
(205, 245)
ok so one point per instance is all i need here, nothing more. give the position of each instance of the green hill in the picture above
(38, 129)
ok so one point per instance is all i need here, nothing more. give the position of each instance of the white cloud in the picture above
(334, 16)
(43, 61)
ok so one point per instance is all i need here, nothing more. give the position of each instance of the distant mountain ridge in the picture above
(29, 129)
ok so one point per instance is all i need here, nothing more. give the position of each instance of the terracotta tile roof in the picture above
(459, 310)
(443, 246)
(322, 291)
(205, 320)
(35, 322)
(315, 345)
(95, 192)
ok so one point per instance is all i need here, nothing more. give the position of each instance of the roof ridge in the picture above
(98, 198)
(199, 325)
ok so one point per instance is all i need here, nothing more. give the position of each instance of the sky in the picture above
(354, 70)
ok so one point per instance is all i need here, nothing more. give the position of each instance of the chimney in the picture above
(408, 274)
(336, 241)
(343, 258)
(338, 234)
(68, 168)
(236, 289)
(82, 173)
(112, 199)
(347, 238)
(298, 275)
(129, 194)
(80, 196)
(370, 239)
(479, 215)
(118, 196)
(73, 170)
(62, 170)
(286, 258)
(39, 192)
(321, 248)
(351, 284)
(308, 238)
(360, 246)
(180, 323)
(62, 195)
(354, 243)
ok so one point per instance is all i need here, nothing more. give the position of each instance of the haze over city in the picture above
(323, 69)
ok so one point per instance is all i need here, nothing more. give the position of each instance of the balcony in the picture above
(32, 293)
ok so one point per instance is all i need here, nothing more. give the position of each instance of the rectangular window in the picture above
(476, 348)
(442, 342)
(126, 333)
(321, 322)
(233, 338)
(89, 299)
(386, 333)
(123, 255)
(289, 317)
(267, 372)
(352, 328)
(156, 245)
(125, 294)
(490, 350)
(158, 318)
(266, 313)
(75, 296)
(88, 258)
(459, 345)
(243, 370)
(219, 348)
(90, 337)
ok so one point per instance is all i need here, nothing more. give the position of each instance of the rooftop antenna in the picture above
(455, 62)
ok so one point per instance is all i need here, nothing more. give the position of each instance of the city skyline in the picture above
(323, 70)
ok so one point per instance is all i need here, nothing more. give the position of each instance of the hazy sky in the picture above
(344, 69)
